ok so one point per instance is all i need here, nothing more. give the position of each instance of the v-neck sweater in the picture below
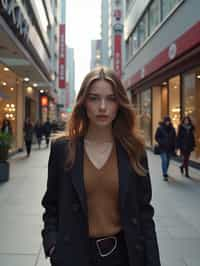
(102, 192)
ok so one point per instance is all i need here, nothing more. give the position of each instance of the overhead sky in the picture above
(83, 20)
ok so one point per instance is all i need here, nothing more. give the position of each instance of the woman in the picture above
(6, 127)
(28, 135)
(166, 139)
(38, 132)
(186, 143)
(97, 203)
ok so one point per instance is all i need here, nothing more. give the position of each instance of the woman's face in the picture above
(101, 104)
(186, 121)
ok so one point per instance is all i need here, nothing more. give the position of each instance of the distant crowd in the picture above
(39, 130)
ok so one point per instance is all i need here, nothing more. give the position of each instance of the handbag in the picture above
(156, 149)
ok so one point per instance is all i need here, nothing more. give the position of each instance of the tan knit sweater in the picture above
(102, 190)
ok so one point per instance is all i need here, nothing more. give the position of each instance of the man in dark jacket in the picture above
(47, 131)
(166, 137)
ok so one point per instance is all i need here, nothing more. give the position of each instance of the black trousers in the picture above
(28, 146)
(119, 256)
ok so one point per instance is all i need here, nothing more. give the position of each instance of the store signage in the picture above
(44, 101)
(118, 55)
(12, 10)
(62, 57)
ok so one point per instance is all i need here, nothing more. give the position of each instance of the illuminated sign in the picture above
(44, 101)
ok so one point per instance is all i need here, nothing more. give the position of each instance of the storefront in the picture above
(11, 103)
(176, 96)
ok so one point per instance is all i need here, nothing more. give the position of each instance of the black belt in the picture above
(105, 246)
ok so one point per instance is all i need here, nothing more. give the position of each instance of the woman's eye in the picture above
(93, 98)
(112, 98)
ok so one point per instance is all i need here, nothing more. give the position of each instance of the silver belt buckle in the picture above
(109, 252)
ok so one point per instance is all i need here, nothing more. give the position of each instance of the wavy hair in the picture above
(123, 128)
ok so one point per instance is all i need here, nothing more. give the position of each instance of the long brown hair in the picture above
(124, 130)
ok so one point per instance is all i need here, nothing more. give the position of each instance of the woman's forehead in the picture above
(101, 87)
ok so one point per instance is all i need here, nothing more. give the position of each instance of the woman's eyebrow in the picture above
(96, 94)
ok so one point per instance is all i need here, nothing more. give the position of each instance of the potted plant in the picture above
(5, 144)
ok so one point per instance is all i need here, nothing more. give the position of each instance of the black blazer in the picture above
(65, 216)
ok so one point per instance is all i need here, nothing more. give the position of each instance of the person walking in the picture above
(38, 132)
(6, 127)
(186, 143)
(166, 139)
(28, 135)
(98, 200)
(47, 131)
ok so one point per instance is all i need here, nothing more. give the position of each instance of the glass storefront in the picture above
(145, 116)
(191, 104)
(174, 100)
(8, 99)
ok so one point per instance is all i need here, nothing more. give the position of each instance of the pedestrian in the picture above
(47, 131)
(6, 127)
(28, 135)
(38, 132)
(186, 143)
(97, 202)
(166, 139)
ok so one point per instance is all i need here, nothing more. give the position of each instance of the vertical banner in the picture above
(118, 55)
(62, 57)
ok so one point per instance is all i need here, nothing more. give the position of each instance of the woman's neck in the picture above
(99, 135)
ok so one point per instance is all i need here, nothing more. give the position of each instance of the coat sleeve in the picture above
(151, 249)
(49, 202)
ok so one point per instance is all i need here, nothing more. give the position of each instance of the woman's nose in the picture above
(103, 104)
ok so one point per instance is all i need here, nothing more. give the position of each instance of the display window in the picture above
(191, 104)
(174, 101)
(8, 99)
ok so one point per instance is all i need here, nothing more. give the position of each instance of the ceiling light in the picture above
(6, 69)
(198, 76)
(29, 89)
(164, 83)
(41, 91)
(35, 85)
(12, 89)
(4, 83)
(26, 79)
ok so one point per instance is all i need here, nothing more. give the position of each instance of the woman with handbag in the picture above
(186, 143)
(97, 203)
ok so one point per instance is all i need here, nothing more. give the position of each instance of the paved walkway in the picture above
(176, 204)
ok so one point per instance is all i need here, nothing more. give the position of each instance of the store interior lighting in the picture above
(4, 83)
(6, 69)
(41, 91)
(26, 79)
(198, 76)
(35, 85)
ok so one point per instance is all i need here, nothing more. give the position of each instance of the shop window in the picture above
(164, 101)
(174, 100)
(191, 104)
(154, 15)
(145, 116)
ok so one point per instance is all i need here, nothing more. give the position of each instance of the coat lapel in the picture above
(77, 175)
(125, 171)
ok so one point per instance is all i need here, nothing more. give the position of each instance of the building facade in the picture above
(162, 69)
(70, 77)
(27, 72)
(96, 54)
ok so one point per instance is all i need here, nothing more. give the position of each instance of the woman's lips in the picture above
(102, 117)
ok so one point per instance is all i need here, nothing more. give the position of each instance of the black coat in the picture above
(166, 138)
(65, 216)
(186, 139)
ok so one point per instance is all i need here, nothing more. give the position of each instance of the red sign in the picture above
(44, 101)
(118, 55)
(62, 57)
